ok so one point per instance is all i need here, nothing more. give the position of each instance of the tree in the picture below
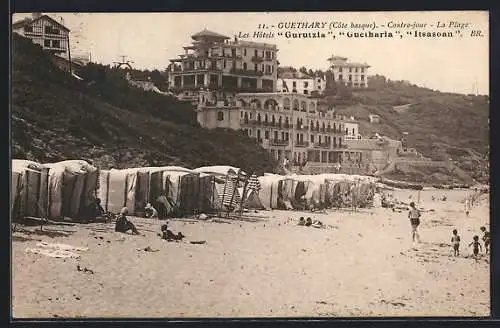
(158, 79)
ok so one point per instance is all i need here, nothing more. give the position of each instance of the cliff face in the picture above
(104, 119)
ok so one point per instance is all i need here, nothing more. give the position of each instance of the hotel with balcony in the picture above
(289, 125)
(353, 75)
(215, 62)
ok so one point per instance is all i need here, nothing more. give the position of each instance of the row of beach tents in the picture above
(67, 189)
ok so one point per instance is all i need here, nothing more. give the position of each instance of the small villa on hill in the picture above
(45, 31)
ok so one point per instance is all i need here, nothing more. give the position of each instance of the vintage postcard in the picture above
(250, 165)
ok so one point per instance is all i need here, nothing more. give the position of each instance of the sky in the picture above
(458, 64)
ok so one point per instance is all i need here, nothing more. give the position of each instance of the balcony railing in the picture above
(302, 128)
(325, 145)
(245, 72)
(276, 142)
(248, 122)
(257, 59)
(302, 144)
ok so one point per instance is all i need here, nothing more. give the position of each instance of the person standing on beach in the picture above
(476, 246)
(467, 206)
(486, 239)
(455, 240)
(414, 216)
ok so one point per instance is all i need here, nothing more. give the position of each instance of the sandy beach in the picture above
(361, 264)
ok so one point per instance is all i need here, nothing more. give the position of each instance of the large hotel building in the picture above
(233, 84)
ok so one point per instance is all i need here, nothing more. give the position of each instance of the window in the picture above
(245, 66)
(255, 67)
(340, 77)
(312, 137)
(306, 92)
(224, 62)
(266, 134)
(51, 30)
(46, 43)
(340, 69)
(241, 114)
(244, 51)
(56, 44)
(306, 84)
(256, 53)
(28, 28)
(362, 70)
(350, 69)
(362, 77)
(350, 77)
(356, 70)
(220, 116)
(319, 87)
(250, 132)
(294, 84)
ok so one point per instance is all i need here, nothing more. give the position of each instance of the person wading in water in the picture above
(414, 216)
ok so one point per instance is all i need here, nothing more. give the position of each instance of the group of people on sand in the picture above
(310, 223)
(414, 215)
(123, 225)
(475, 244)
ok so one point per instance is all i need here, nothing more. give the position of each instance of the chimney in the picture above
(36, 15)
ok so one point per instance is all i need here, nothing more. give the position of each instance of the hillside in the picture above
(441, 126)
(102, 119)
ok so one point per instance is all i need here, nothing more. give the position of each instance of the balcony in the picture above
(320, 145)
(257, 59)
(302, 128)
(302, 144)
(245, 72)
(248, 122)
(276, 142)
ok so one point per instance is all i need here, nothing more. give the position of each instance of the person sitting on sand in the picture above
(301, 221)
(317, 224)
(308, 222)
(444, 198)
(414, 216)
(486, 239)
(455, 240)
(476, 246)
(433, 198)
(169, 235)
(93, 211)
(150, 211)
(123, 224)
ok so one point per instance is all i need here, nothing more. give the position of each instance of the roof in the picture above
(336, 58)
(28, 21)
(351, 65)
(207, 33)
(295, 75)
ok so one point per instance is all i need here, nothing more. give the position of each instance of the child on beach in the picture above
(476, 246)
(301, 221)
(467, 207)
(486, 239)
(455, 240)
(308, 222)
(414, 216)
